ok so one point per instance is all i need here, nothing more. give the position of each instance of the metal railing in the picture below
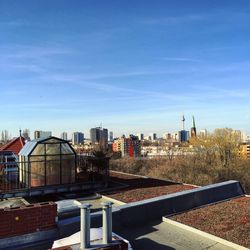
(14, 177)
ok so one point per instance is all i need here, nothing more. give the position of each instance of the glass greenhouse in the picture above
(47, 161)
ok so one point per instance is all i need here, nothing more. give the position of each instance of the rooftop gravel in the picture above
(229, 220)
(141, 188)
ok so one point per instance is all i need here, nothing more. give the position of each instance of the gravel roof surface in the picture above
(229, 220)
(140, 188)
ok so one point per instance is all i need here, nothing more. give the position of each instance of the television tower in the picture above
(183, 122)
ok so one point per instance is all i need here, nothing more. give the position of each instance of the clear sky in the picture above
(135, 66)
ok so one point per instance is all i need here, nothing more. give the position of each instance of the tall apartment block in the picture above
(140, 136)
(203, 133)
(77, 138)
(99, 136)
(153, 136)
(111, 136)
(183, 135)
(64, 136)
(128, 146)
(42, 134)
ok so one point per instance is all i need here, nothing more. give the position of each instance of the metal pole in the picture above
(85, 225)
(107, 222)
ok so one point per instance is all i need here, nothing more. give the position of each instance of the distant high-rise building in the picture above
(77, 138)
(193, 129)
(111, 136)
(183, 136)
(99, 136)
(203, 133)
(167, 136)
(174, 136)
(36, 134)
(128, 146)
(26, 134)
(153, 136)
(245, 150)
(140, 136)
(243, 136)
(64, 136)
(42, 134)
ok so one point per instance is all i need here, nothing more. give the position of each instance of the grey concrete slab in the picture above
(159, 235)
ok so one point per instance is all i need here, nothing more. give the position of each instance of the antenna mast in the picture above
(183, 122)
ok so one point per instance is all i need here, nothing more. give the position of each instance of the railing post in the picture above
(107, 222)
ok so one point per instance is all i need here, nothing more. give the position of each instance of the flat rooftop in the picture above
(229, 220)
(139, 188)
(159, 235)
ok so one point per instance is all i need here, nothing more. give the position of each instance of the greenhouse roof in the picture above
(30, 146)
(27, 149)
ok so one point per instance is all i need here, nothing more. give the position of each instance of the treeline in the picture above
(214, 159)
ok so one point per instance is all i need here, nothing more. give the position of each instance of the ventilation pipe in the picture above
(85, 224)
(107, 222)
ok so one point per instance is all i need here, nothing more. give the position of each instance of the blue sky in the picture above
(135, 66)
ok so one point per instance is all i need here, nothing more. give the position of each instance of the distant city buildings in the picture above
(203, 133)
(26, 134)
(130, 146)
(140, 136)
(64, 136)
(168, 136)
(193, 129)
(77, 138)
(111, 136)
(245, 150)
(244, 137)
(99, 136)
(133, 145)
(42, 134)
(153, 136)
(174, 136)
(183, 135)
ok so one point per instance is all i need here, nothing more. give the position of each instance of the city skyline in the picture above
(133, 67)
(69, 135)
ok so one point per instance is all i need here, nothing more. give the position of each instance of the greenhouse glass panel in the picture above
(53, 140)
(68, 169)
(37, 168)
(68, 166)
(52, 149)
(66, 149)
(52, 170)
(39, 150)
(24, 171)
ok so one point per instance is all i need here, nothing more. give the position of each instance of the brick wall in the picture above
(27, 219)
